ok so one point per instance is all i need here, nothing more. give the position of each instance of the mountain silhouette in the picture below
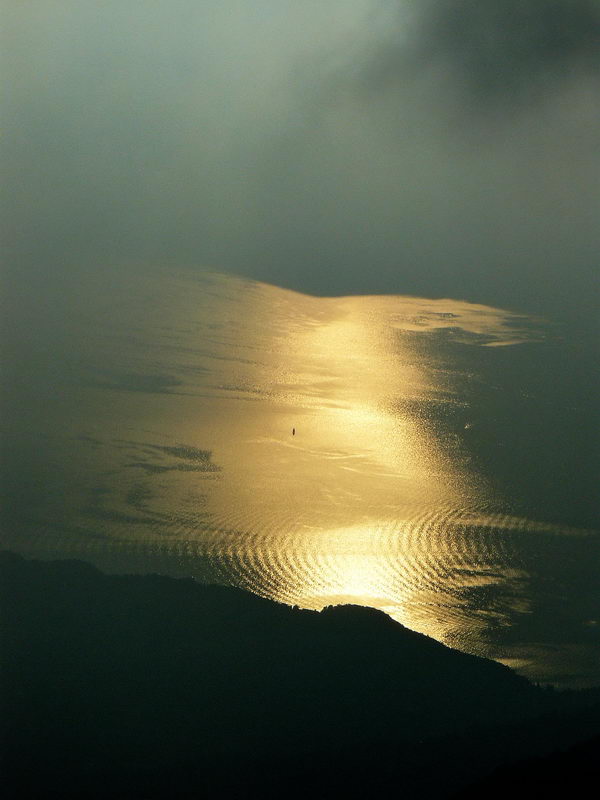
(148, 686)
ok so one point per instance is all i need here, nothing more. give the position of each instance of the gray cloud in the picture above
(434, 148)
(498, 50)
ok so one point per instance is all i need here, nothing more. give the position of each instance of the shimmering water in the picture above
(396, 452)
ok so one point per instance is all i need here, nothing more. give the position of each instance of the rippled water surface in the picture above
(418, 456)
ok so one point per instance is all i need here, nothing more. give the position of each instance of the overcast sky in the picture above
(437, 148)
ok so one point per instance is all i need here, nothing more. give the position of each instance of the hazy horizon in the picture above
(435, 148)
(189, 181)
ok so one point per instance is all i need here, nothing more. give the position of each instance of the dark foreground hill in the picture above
(146, 686)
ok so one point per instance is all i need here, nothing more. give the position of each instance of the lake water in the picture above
(430, 458)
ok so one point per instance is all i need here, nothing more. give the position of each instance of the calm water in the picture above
(440, 468)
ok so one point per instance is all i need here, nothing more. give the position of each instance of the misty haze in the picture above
(302, 299)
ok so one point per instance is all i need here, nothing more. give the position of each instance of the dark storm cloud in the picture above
(503, 43)
(497, 49)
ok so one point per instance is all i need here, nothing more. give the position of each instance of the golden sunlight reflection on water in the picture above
(177, 443)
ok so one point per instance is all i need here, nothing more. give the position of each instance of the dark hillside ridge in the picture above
(150, 686)
(556, 775)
